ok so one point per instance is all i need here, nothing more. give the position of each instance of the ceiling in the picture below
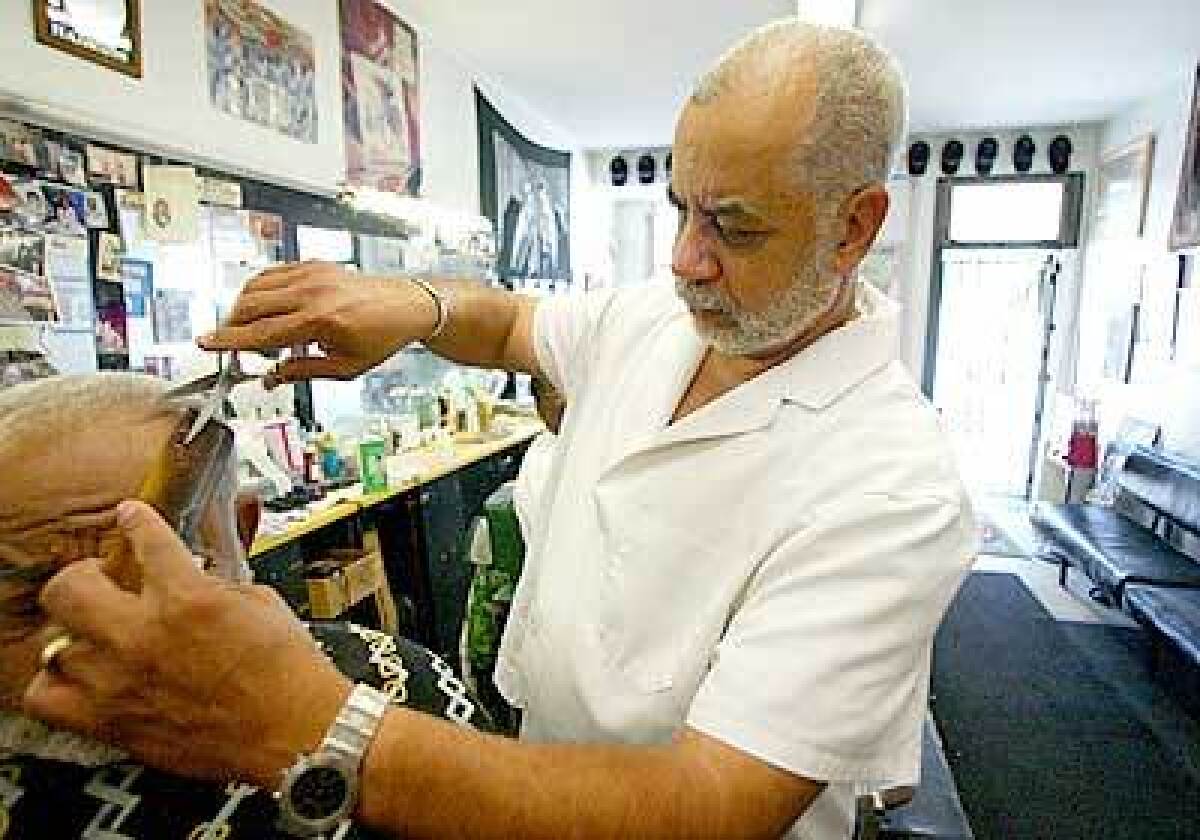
(614, 73)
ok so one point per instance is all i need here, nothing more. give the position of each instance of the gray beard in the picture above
(25, 737)
(813, 292)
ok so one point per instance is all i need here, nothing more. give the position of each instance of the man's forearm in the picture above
(485, 327)
(427, 780)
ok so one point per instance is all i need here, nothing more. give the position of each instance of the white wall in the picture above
(912, 288)
(168, 109)
(1164, 113)
(1174, 401)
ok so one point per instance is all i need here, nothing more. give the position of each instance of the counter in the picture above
(520, 430)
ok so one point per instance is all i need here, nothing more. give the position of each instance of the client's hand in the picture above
(191, 674)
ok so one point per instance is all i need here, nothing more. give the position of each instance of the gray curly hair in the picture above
(859, 117)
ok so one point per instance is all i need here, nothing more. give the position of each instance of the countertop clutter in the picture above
(420, 467)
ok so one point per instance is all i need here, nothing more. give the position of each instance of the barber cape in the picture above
(52, 800)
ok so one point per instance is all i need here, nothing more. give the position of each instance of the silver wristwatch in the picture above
(320, 790)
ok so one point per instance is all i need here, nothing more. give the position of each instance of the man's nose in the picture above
(692, 258)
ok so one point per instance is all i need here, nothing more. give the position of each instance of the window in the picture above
(1007, 212)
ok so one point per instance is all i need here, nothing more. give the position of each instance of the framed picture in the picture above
(261, 68)
(525, 189)
(1185, 227)
(381, 98)
(105, 32)
(1123, 187)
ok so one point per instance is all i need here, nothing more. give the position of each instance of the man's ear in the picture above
(863, 212)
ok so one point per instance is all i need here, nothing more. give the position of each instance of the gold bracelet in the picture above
(439, 301)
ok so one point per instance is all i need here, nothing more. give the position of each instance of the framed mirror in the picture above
(105, 32)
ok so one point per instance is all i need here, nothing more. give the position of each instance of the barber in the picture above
(748, 539)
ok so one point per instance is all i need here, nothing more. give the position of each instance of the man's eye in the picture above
(740, 236)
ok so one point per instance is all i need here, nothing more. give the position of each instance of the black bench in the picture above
(1172, 613)
(1133, 551)
(1136, 540)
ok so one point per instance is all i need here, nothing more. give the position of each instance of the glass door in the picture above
(1000, 245)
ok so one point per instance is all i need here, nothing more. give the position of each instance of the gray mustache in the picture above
(699, 297)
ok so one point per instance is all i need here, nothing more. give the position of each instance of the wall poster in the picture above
(380, 99)
(1185, 227)
(525, 189)
(261, 68)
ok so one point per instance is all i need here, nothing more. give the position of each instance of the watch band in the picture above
(355, 725)
(341, 752)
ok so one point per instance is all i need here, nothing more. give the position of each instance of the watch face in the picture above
(319, 792)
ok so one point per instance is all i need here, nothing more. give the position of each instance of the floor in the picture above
(1071, 604)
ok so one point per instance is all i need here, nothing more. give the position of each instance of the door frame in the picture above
(1068, 237)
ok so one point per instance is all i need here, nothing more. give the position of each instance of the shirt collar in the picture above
(839, 360)
(815, 377)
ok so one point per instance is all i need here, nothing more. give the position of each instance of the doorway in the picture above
(1000, 245)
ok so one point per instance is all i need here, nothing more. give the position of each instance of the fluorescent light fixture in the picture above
(828, 12)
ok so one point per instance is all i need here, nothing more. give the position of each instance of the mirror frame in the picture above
(133, 67)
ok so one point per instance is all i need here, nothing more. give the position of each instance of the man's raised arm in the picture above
(359, 321)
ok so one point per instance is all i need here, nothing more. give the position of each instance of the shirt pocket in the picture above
(656, 630)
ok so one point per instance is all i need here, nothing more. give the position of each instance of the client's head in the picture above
(71, 449)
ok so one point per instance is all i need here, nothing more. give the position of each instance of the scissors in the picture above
(215, 387)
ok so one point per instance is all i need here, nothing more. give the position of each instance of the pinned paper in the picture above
(172, 212)
(221, 192)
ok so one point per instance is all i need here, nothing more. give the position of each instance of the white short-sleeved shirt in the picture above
(770, 570)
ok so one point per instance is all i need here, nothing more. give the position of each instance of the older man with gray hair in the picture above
(750, 532)
(71, 449)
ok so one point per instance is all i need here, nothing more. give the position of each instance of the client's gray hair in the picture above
(58, 405)
(859, 117)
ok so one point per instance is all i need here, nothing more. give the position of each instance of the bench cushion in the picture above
(1166, 482)
(1171, 612)
(1109, 548)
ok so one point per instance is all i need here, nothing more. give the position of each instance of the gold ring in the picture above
(54, 648)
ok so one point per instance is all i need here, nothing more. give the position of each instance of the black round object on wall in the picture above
(647, 167)
(618, 171)
(918, 158)
(952, 155)
(985, 155)
(1023, 151)
(1060, 154)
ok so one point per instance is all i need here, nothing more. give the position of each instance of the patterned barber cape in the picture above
(50, 800)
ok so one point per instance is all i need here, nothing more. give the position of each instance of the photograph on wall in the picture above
(68, 210)
(1185, 227)
(29, 292)
(95, 212)
(105, 32)
(525, 189)
(1123, 188)
(380, 99)
(137, 276)
(18, 143)
(71, 166)
(261, 68)
(33, 211)
(172, 199)
(109, 248)
(112, 334)
(172, 316)
(22, 251)
(117, 168)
